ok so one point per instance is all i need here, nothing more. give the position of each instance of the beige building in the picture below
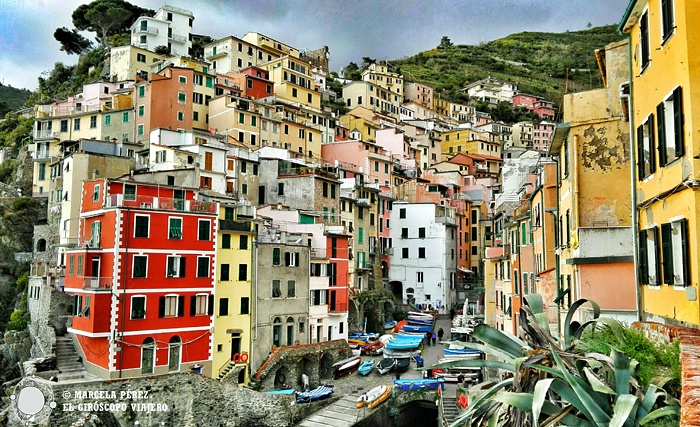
(131, 62)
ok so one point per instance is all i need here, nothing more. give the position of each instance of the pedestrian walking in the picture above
(440, 334)
(452, 313)
(434, 337)
(460, 380)
(427, 338)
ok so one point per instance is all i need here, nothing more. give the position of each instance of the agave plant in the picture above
(553, 384)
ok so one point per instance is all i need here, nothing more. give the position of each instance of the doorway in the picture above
(235, 344)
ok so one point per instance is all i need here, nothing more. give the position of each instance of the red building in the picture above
(543, 108)
(337, 254)
(256, 83)
(142, 279)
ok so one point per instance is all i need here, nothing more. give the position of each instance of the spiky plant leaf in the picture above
(666, 411)
(623, 371)
(538, 397)
(596, 383)
(650, 397)
(571, 327)
(624, 406)
(497, 339)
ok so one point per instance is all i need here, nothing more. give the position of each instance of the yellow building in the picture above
(293, 81)
(469, 141)
(594, 215)
(233, 292)
(663, 75)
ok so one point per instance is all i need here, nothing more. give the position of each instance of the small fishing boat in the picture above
(375, 347)
(356, 343)
(411, 335)
(389, 326)
(366, 367)
(401, 354)
(370, 395)
(400, 344)
(320, 392)
(420, 384)
(464, 353)
(420, 322)
(386, 365)
(381, 398)
(417, 328)
(346, 366)
(402, 365)
(363, 336)
(399, 326)
(283, 391)
(418, 314)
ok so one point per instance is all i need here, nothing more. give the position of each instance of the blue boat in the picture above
(320, 392)
(417, 328)
(283, 391)
(420, 384)
(402, 344)
(423, 322)
(461, 351)
(363, 336)
(389, 326)
(366, 367)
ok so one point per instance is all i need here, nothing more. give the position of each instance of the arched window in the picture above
(174, 354)
(290, 331)
(148, 352)
(41, 245)
(277, 332)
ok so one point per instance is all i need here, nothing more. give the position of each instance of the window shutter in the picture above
(180, 306)
(296, 259)
(287, 259)
(678, 121)
(640, 153)
(210, 305)
(643, 258)
(684, 250)
(182, 266)
(661, 133)
(161, 307)
(655, 249)
(193, 305)
(667, 253)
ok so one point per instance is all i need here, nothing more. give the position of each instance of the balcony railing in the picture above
(45, 133)
(178, 37)
(387, 251)
(96, 283)
(338, 307)
(159, 203)
(231, 225)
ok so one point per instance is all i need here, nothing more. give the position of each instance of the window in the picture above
(202, 266)
(224, 273)
(402, 213)
(404, 253)
(64, 125)
(175, 266)
(276, 289)
(204, 229)
(243, 242)
(667, 20)
(421, 252)
(332, 191)
(175, 228)
(242, 271)
(421, 232)
(644, 40)
(139, 130)
(419, 277)
(223, 307)
(674, 253)
(125, 117)
(142, 91)
(404, 233)
(291, 289)
(669, 126)
(181, 97)
(197, 79)
(199, 305)
(141, 225)
(245, 305)
(649, 256)
(276, 255)
(93, 122)
(138, 307)
(180, 116)
(140, 266)
(645, 145)
(280, 188)
(76, 124)
(325, 189)
(291, 259)
(171, 306)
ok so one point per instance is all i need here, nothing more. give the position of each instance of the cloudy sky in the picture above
(381, 29)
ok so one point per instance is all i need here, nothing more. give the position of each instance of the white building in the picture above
(170, 27)
(424, 261)
(491, 91)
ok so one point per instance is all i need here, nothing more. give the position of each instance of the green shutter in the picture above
(667, 253)
(678, 121)
(359, 235)
(684, 250)
(276, 252)
(643, 258)
(661, 133)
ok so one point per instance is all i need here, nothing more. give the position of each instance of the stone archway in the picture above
(305, 366)
(325, 366)
(282, 377)
(396, 288)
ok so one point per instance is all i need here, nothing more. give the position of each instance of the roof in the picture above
(626, 16)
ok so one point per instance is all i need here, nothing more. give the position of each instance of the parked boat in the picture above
(460, 351)
(355, 343)
(283, 391)
(385, 365)
(399, 344)
(402, 365)
(363, 336)
(418, 314)
(366, 367)
(420, 322)
(375, 347)
(381, 398)
(417, 328)
(346, 366)
(389, 326)
(420, 384)
(370, 395)
(400, 325)
(320, 392)
(400, 354)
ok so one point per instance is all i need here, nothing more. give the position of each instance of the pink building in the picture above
(375, 162)
(543, 108)
(541, 135)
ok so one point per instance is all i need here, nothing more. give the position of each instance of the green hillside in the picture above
(14, 98)
(540, 63)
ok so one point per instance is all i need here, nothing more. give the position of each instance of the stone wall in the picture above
(177, 400)
(50, 314)
(287, 364)
(690, 364)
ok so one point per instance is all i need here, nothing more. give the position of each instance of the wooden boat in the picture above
(370, 395)
(389, 326)
(417, 328)
(381, 398)
(283, 391)
(400, 344)
(363, 336)
(320, 392)
(346, 366)
(375, 347)
(366, 367)
(402, 365)
(420, 384)
(385, 365)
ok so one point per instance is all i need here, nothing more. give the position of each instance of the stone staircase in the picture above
(449, 407)
(67, 360)
(226, 370)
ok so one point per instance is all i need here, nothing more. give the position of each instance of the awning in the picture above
(464, 270)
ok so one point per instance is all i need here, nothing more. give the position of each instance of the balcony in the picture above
(177, 38)
(318, 253)
(97, 283)
(231, 225)
(445, 220)
(159, 203)
(42, 154)
(306, 170)
(45, 133)
(337, 308)
(147, 30)
(388, 251)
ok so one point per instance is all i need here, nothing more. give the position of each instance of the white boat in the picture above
(371, 395)
(419, 315)
(400, 354)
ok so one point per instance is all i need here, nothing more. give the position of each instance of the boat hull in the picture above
(366, 367)
(402, 365)
(346, 366)
(420, 384)
(384, 396)
(371, 395)
(318, 393)
(385, 365)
